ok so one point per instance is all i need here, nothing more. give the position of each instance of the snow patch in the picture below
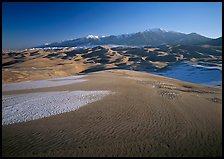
(69, 77)
(26, 107)
(42, 83)
(92, 37)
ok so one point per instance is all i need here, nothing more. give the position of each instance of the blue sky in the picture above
(28, 24)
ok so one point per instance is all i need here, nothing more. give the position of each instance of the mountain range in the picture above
(151, 50)
(150, 37)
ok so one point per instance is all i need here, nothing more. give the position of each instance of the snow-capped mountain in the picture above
(155, 30)
(92, 37)
(150, 37)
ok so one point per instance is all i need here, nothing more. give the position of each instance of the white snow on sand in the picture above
(69, 77)
(43, 83)
(208, 67)
(26, 107)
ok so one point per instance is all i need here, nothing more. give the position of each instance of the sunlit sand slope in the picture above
(146, 115)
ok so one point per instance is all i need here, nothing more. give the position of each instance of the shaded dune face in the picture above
(44, 64)
(148, 115)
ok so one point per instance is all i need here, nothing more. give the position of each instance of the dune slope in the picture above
(147, 115)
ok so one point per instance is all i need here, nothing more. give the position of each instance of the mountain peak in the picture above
(155, 30)
(193, 34)
(92, 37)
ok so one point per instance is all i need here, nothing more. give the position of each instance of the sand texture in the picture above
(26, 65)
(146, 115)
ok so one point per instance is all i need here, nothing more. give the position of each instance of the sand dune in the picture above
(148, 115)
(25, 65)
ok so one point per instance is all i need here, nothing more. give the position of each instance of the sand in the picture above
(26, 65)
(148, 115)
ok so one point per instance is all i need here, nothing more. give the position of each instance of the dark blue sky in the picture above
(27, 24)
